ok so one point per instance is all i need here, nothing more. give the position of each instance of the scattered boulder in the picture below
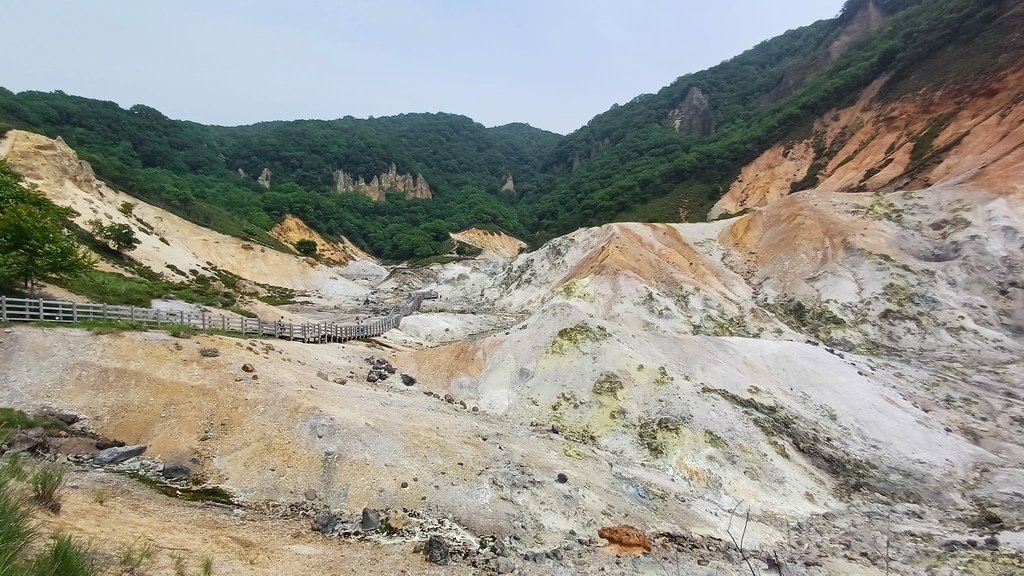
(626, 536)
(437, 550)
(209, 352)
(310, 494)
(341, 381)
(322, 375)
(325, 522)
(449, 398)
(118, 454)
(175, 471)
(248, 368)
(371, 519)
(561, 478)
(408, 380)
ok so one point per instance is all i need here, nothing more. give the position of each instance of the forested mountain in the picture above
(662, 156)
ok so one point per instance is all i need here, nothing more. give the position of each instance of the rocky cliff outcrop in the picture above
(508, 184)
(264, 178)
(390, 181)
(693, 115)
(972, 133)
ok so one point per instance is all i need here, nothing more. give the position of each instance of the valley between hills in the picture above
(819, 375)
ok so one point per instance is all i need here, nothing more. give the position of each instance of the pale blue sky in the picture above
(553, 64)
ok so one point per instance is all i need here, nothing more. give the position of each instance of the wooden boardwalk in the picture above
(40, 310)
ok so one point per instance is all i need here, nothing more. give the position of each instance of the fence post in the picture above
(243, 325)
(202, 319)
(41, 309)
(158, 317)
(133, 313)
(74, 311)
(3, 308)
(259, 324)
(223, 323)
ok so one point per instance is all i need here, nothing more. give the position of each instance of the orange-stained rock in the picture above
(626, 536)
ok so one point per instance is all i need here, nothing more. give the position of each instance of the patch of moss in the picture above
(814, 319)
(714, 440)
(882, 208)
(608, 384)
(775, 422)
(577, 289)
(664, 378)
(573, 451)
(654, 433)
(215, 494)
(577, 337)
(994, 564)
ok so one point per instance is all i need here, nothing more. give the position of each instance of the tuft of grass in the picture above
(47, 482)
(63, 557)
(16, 532)
(100, 496)
(66, 558)
(133, 558)
(207, 569)
(12, 467)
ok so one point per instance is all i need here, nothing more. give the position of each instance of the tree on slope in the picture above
(36, 242)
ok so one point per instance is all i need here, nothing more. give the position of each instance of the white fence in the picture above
(40, 310)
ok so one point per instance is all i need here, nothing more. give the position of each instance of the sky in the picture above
(551, 63)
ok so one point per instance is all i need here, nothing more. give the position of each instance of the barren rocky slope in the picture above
(844, 365)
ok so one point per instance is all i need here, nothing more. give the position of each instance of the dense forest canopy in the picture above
(627, 163)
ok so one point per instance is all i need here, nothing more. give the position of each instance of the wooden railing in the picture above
(40, 310)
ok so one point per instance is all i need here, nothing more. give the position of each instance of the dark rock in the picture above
(26, 440)
(371, 519)
(405, 484)
(389, 369)
(449, 398)
(325, 522)
(209, 352)
(408, 380)
(462, 403)
(992, 542)
(437, 550)
(500, 548)
(505, 565)
(248, 368)
(310, 494)
(341, 381)
(64, 416)
(476, 408)
(371, 377)
(175, 471)
(556, 554)
(972, 542)
(117, 454)
(561, 478)
(322, 375)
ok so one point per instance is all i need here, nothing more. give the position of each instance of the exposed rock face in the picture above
(507, 184)
(242, 174)
(869, 19)
(973, 133)
(379, 185)
(693, 115)
(264, 178)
